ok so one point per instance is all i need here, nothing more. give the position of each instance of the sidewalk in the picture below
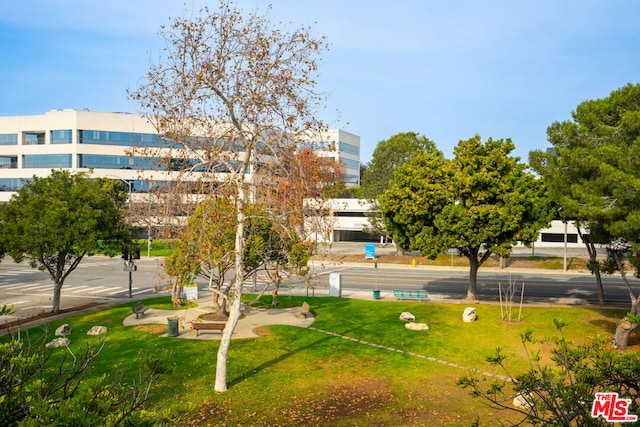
(251, 319)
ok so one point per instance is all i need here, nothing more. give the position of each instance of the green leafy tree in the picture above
(377, 174)
(39, 387)
(270, 247)
(388, 156)
(6, 309)
(55, 221)
(481, 202)
(274, 249)
(562, 394)
(593, 173)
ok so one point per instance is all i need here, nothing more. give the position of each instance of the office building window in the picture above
(54, 161)
(351, 164)
(61, 136)
(127, 139)
(9, 139)
(12, 184)
(8, 162)
(350, 178)
(33, 138)
(97, 161)
(349, 214)
(559, 237)
(348, 148)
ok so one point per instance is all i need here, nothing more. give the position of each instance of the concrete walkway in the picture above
(251, 319)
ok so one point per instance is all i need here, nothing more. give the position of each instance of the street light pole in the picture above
(129, 265)
(128, 257)
(565, 246)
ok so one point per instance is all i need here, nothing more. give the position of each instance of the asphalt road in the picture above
(96, 280)
(449, 283)
(103, 280)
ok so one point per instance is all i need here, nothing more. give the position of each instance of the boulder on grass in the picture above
(469, 315)
(97, 330)
(58, 342)
(417, 326)
(405, 316)
(63, 330)
(523, 401)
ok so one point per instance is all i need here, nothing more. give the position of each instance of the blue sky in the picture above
(445, 69)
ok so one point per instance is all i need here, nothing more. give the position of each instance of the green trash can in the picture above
(376, 294)
(172, 327)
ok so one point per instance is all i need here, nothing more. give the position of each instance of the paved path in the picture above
(252, 319)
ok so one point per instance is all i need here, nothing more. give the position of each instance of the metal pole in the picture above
(130, 268)
(565, 246)
(375, 264)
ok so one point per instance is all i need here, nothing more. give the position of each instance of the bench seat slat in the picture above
(418, 294)
(210, 326)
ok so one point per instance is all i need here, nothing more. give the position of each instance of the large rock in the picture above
(469, 315)
(523, 401)
(417, 326)
(405, 316)
(58, 342)
(63, 330)
(97, 330)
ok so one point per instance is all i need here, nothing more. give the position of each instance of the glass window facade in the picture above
(12, 184)
(97, 161)
(49, 161)
(8, 162)
(352, 164)
(127, 139)
(34, 138)
(61, 136)
(348, 148)
(9, 139)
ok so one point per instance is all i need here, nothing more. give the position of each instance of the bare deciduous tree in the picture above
(233, 94)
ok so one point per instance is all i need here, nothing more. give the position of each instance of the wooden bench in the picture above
(418, 294)
(305, 309)
(139, 309)
(208, 326)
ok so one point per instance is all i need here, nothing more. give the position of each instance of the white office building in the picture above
(343, 147)
(80, 140)
(346, 220)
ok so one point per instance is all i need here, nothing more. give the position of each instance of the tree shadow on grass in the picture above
(609, 320)
(254, 371)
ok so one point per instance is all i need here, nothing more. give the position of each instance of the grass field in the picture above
(293, 376)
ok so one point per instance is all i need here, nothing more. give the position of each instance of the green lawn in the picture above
(295, 376)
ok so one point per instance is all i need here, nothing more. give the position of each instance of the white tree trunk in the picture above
(235, 296)
(221, 363)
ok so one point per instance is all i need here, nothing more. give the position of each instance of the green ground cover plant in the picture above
(292, 376)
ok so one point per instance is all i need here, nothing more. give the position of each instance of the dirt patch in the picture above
(327, 407)
(361, 396)
(152, 329)
(219, 316)
(262, 331)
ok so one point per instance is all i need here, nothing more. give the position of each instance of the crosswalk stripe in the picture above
(29, 287)
(79, 288)
(13, 285)
(142, 291)
(108, 289)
